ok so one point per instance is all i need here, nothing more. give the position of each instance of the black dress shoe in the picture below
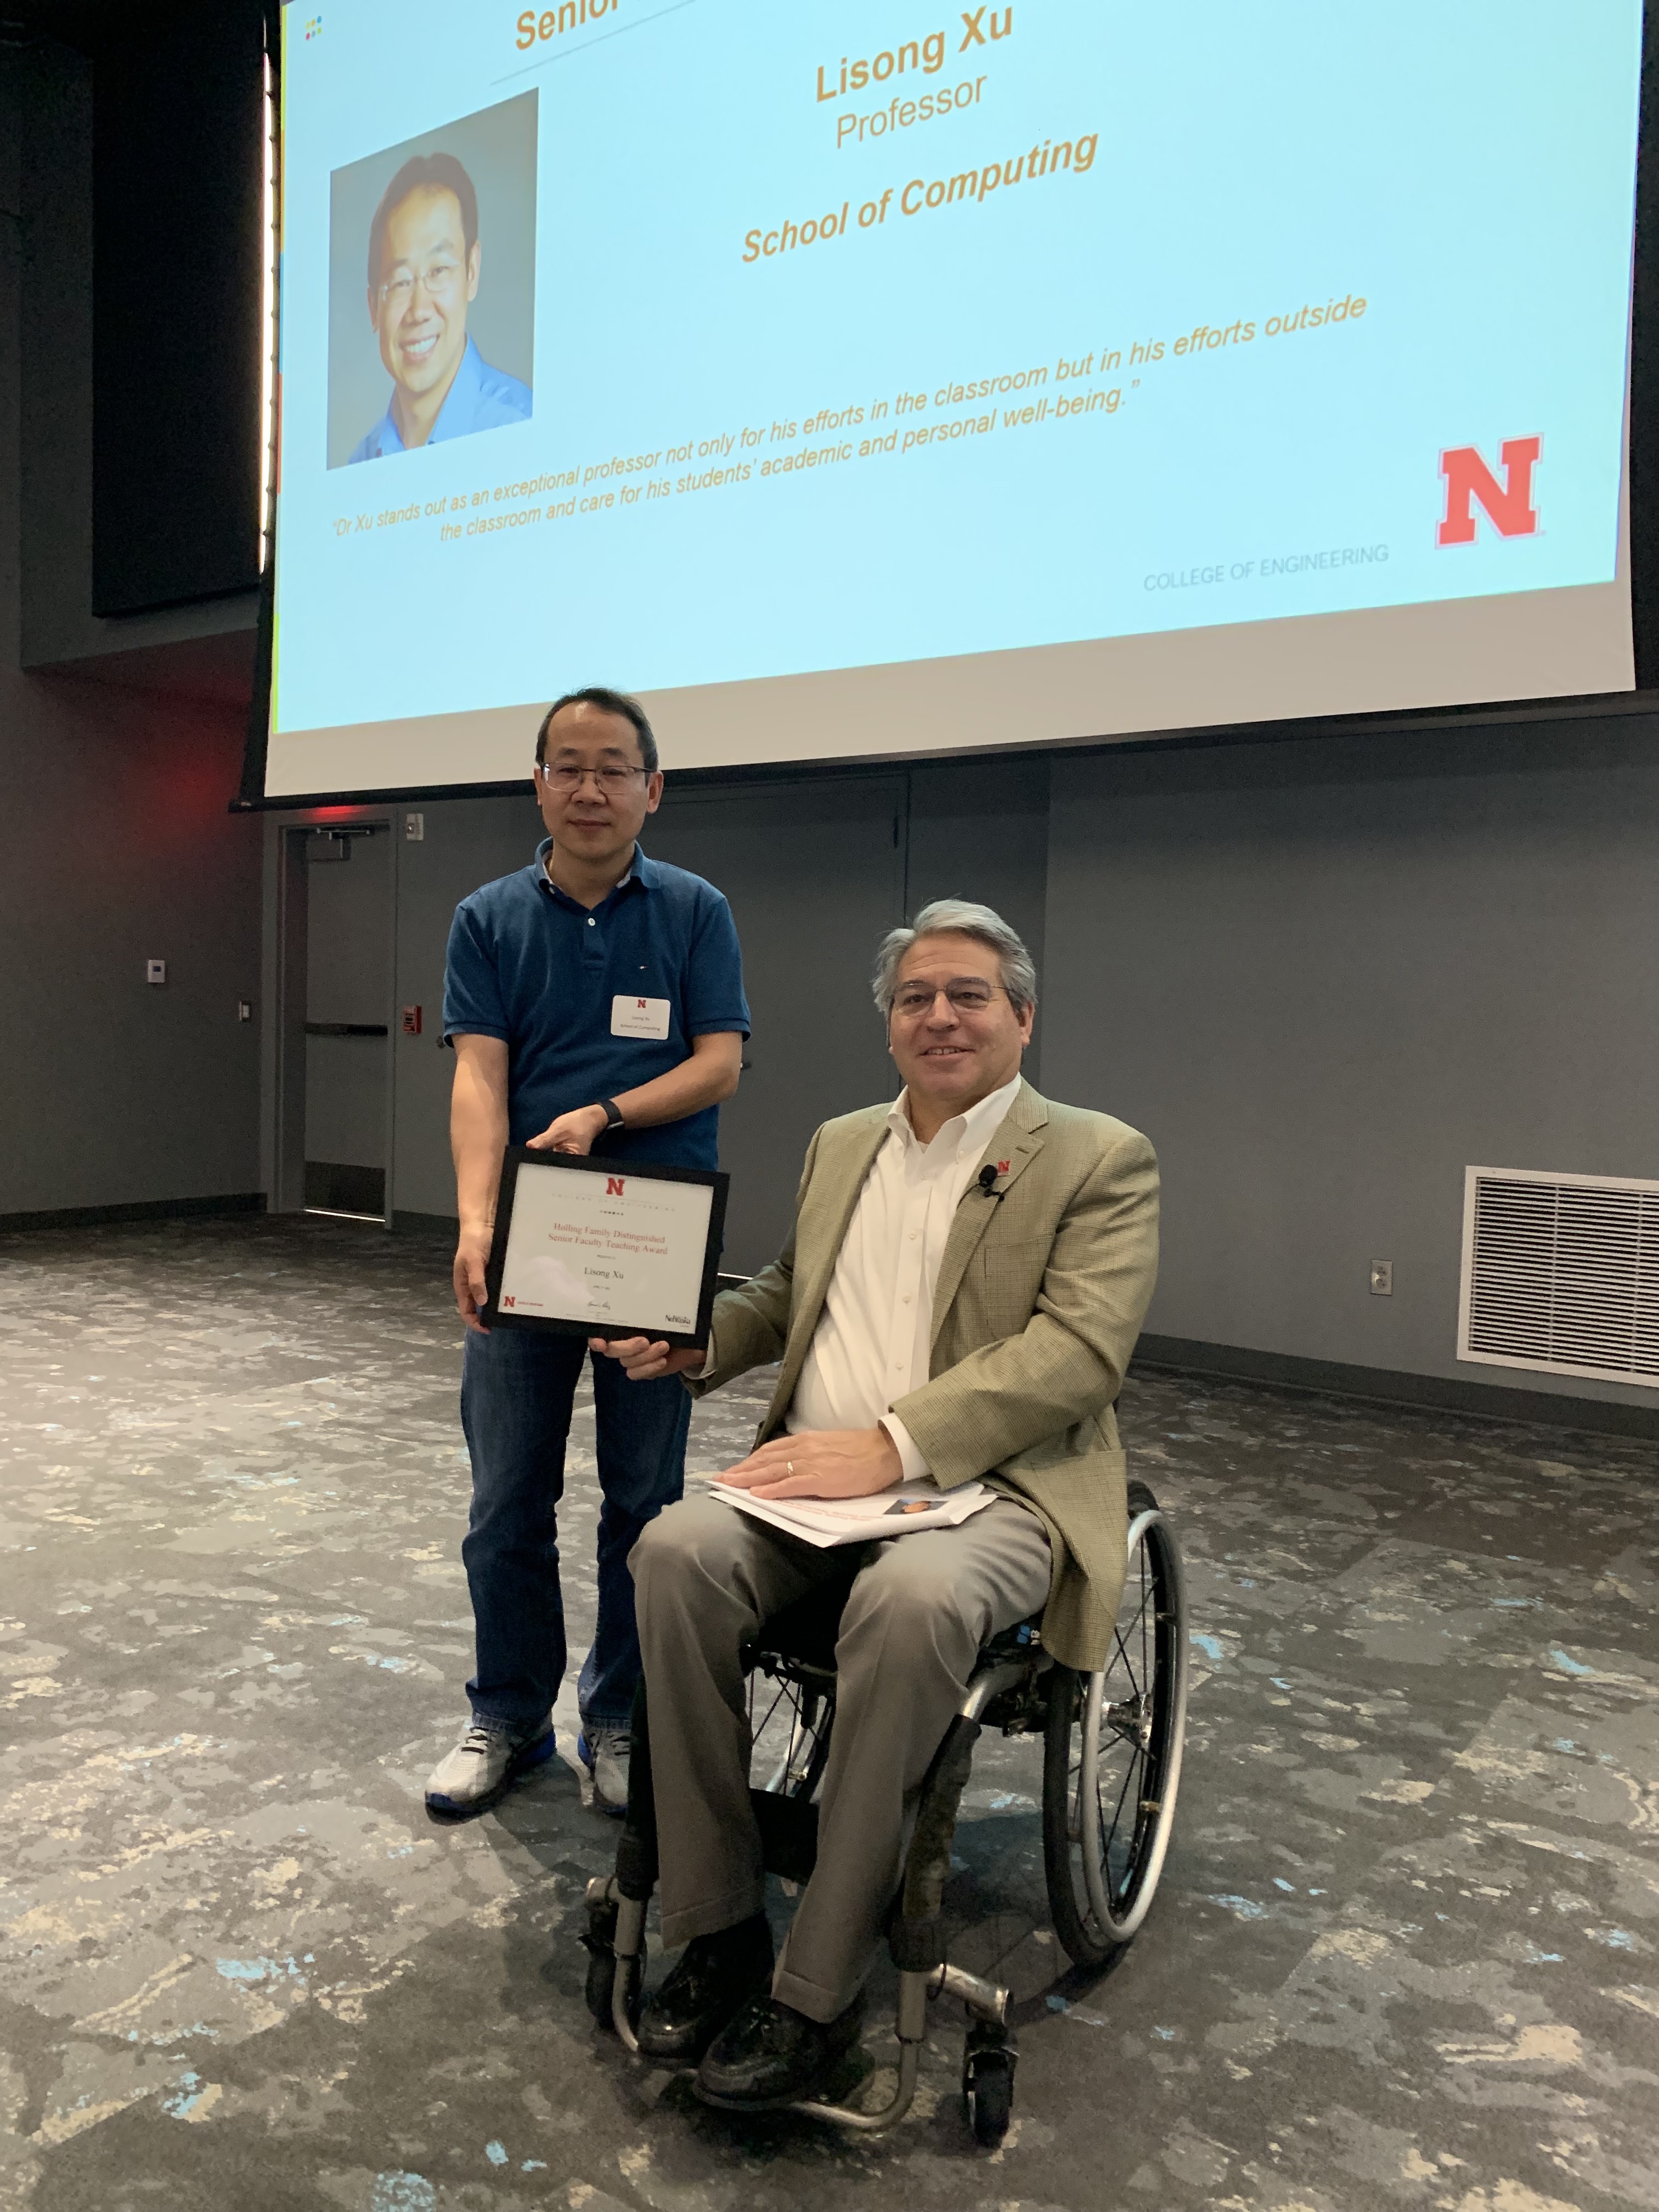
(773, 2055)
(712, 1981)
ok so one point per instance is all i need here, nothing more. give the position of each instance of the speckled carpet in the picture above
(1405, 1952)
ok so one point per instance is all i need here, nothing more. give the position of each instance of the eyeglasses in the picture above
(437, 279)
(968, 994)
(612, 782)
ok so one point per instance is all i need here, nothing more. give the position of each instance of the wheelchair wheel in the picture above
(1112, 1753)
(987, 2088)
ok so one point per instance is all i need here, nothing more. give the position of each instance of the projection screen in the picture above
(860, 378)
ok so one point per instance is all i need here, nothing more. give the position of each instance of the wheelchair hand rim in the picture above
(1148, 1863)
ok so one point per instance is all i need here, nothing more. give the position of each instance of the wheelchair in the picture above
(1111, 1766)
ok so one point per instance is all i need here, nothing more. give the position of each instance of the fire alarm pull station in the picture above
(411, 1021)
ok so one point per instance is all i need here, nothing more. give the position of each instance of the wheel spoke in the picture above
(1138, 1620)
(1115, 1886)
(1120, 1848)
(772, 1710)
(1109, 1829)
(784, 1700)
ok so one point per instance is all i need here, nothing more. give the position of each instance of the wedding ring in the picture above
(789, 1466)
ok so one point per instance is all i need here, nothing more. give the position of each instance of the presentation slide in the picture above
(860, 380)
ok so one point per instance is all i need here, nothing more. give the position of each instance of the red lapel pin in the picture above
(1002, 1167)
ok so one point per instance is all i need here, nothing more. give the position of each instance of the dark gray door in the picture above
(348, 1021)
(815, 874)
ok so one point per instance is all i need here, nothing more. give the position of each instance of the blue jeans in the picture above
(517, 1390)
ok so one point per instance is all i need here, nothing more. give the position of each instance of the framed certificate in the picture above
(605, 1247)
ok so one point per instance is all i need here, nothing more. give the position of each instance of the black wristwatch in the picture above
(613, 1119)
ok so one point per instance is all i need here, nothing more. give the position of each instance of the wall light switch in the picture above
(1382, 1278)
(414, 828)
(245, 1010)
(156, 971)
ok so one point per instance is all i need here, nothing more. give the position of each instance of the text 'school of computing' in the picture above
(424, 260)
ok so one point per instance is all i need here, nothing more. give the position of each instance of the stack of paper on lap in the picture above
(900, 1511)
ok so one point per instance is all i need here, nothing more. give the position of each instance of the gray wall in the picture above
(114, 841)
(1328, 976)
(980, 829)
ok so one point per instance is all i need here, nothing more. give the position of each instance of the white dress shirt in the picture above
(874, 1337)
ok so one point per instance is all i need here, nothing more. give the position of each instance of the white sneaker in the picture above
(603, 1752)
(486, 1760)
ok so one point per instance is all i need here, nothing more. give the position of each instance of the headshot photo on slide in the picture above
(432, 286)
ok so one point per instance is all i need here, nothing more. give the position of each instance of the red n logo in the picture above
(613, 1186)
(507, 1299)
(1509, 505)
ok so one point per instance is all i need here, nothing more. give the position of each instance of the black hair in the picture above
(609, 702)
(430, 172)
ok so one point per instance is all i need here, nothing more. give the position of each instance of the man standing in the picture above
(960, 1297)
(424, 260)
(594, 998)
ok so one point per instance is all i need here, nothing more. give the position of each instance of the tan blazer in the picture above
(1040, 1298)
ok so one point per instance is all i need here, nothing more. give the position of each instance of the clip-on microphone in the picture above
(988, 1177)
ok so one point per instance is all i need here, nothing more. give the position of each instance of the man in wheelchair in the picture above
(960, 1297)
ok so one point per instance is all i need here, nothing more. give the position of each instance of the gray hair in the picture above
(966, 919)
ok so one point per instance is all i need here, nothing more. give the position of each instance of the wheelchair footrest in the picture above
(788, 1832)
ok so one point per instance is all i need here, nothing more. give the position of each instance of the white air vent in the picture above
(1561, 1273)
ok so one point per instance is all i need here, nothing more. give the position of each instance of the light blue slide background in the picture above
(1469, 169)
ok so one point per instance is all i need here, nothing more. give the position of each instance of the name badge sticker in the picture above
(639, 1018)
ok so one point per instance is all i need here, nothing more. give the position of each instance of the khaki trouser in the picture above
(706, 1577)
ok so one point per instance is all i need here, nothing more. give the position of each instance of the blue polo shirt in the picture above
(480, 399)
(528, 964)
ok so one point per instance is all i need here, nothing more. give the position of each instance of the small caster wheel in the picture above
(601, 1973)
(599, 1943)
(601, 1985)
(987, 2082)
